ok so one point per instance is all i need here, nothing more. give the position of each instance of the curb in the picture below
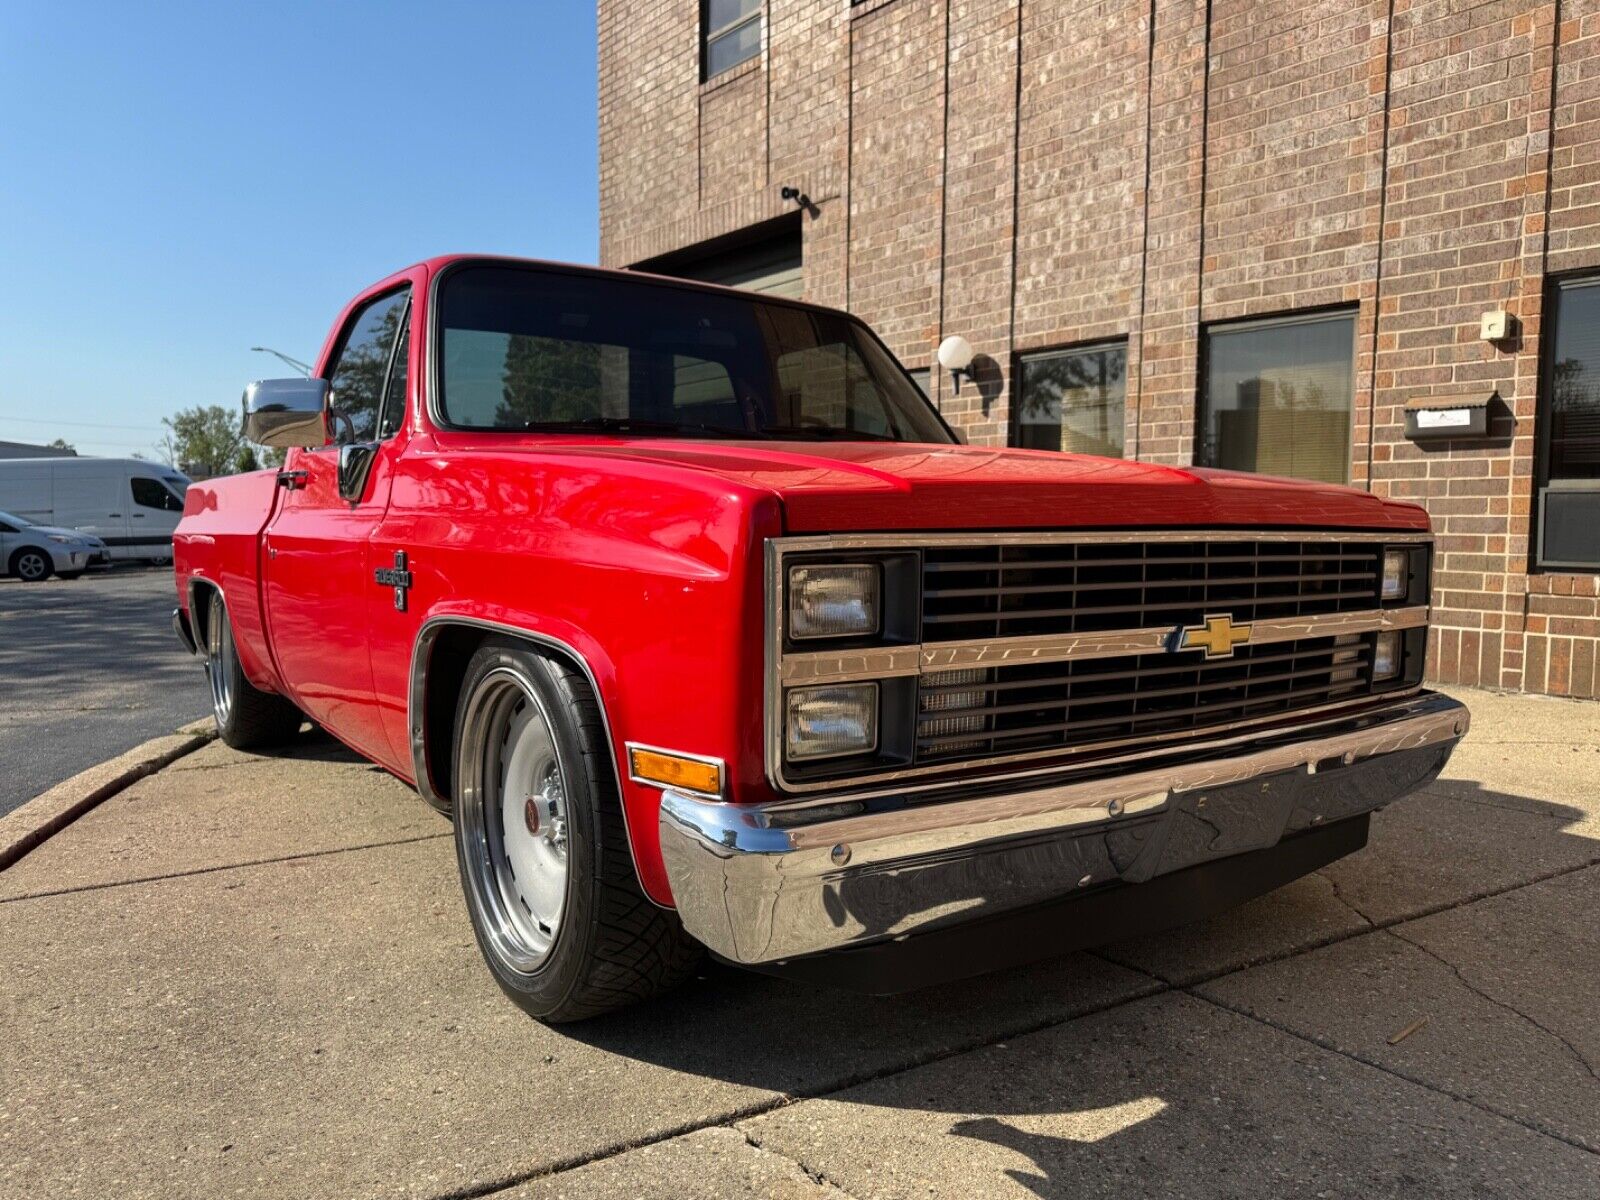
(24, 828)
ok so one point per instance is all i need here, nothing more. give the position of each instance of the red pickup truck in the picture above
(708, 632)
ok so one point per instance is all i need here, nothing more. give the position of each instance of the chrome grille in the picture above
(1050, 707)
(1004, 590)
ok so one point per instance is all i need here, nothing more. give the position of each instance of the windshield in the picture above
(525, 349)
(13, 519)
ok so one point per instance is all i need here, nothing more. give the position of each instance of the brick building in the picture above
(1244, 233)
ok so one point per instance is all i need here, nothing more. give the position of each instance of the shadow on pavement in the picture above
(808, 1040)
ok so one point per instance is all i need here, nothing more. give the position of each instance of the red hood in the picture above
(854, 486)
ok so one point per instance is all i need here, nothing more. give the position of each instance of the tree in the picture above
(63, 444)
(203, 440)
(548, 380)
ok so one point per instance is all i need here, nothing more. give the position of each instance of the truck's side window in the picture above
(361, 366)
(152, 493)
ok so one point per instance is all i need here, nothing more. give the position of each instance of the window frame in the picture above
(1302, 316)
(1537, 563)
(360, 309)
(1014, 418)
(709, 35)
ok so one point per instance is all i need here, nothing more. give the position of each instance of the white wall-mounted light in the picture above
(955, 356)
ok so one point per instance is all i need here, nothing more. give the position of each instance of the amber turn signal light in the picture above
(675, 770)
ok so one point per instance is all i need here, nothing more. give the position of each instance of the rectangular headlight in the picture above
(827, 601)
(1396, 574)
(830, 721)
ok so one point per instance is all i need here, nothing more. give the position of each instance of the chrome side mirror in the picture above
(286, 412)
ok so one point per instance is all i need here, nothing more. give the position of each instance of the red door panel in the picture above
(320, 584)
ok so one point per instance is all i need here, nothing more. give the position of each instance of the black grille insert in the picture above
(980, 592)
(1048, 707)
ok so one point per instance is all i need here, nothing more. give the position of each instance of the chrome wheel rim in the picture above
(31, 567)
(512, 818)
(219, 649)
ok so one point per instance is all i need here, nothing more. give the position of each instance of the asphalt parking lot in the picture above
(88, 668)
(254, 975)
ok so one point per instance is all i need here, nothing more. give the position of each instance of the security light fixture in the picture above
(955, 356)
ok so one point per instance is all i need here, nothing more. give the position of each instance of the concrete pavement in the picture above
(250, 974)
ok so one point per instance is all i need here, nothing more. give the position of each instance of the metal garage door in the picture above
(772, 267)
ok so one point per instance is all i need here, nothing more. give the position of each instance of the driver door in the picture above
(318, 575)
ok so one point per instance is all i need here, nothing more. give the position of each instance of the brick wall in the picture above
(1043, 173)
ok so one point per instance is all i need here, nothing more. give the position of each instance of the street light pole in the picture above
(303, 368)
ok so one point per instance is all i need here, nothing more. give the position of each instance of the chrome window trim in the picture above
(782, 670)
(722, 769)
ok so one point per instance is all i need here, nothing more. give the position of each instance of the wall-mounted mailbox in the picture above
(1434, 417)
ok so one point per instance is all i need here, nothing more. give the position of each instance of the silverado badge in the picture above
(1217, 637)
(396, 577)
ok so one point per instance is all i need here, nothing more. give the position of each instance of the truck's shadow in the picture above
(804, 1040)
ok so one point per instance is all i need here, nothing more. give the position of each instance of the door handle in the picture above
(113, 514)
(139, 516)
(293, 480)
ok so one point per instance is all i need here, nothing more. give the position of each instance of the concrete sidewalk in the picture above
(255, 975)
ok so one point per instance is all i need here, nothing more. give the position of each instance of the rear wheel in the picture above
(246, 716)
(69, 574)
(543, 852)
(31, 565)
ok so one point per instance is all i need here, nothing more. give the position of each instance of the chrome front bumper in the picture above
(764, 883)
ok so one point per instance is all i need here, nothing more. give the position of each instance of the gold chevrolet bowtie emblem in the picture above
(1217, 637)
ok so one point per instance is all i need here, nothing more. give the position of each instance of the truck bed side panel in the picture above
(219, 541)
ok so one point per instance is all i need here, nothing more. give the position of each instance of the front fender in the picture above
(673, 657)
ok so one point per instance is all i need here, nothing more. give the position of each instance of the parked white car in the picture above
(131, 504)
(35, 552)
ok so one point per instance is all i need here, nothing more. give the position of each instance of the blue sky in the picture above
(179, 183)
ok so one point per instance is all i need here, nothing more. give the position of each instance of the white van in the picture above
(131, 505)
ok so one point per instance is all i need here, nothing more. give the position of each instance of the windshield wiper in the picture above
(825, 433)
(634, 425)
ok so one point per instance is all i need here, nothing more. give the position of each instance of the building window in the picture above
(1277, 396)
(732, 33)
(1072, 400)
(923, 378)
(1568, 537)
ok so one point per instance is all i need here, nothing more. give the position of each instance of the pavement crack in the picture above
(819, 1178)
(1333, 1048)
(1506, 1005)
(1338, 894)
(238, 866)
(1374, 925)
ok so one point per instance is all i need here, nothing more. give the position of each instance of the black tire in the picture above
(69, 574)
(609, 946)
(246, 717)
(31, 565)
